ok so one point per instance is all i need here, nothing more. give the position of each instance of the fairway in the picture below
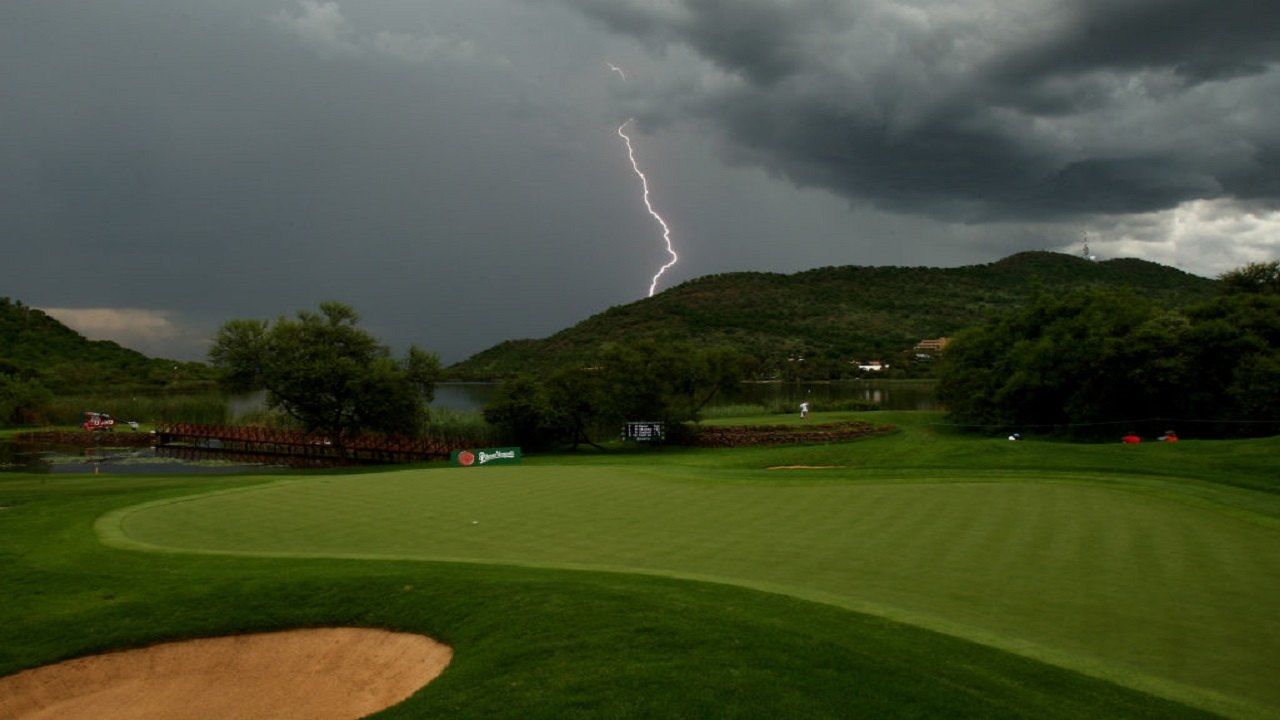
(1168, 595)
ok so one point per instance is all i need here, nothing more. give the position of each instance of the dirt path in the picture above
(321, 674)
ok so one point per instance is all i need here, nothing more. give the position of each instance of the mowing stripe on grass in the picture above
(1169, 597)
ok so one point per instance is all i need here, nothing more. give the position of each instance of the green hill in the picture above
(830, 316)
(36, 346)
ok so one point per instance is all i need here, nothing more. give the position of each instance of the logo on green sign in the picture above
(486, 456)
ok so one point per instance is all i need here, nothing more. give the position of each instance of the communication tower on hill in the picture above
(1085, 252)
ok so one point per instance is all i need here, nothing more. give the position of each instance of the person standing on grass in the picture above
(804, 410)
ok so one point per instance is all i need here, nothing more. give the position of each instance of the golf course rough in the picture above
(1176, 598)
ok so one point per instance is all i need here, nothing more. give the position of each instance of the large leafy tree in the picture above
(673, 381)
(1259, 277)
(566, 407)
(1234, 345)
(22, 401)
(643, 380)
(520, 410)
(576, 404)
(1090, 360)
(327, 373)
(1057, 362)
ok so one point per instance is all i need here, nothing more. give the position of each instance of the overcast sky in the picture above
(452, 169)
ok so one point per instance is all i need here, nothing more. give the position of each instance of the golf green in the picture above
(1171, 595)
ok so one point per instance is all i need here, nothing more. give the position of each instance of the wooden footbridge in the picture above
(268, 441)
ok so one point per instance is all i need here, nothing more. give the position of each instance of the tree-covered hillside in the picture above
(34, 346)
(830, 316)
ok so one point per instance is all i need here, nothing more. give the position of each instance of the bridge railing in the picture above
(292, 442)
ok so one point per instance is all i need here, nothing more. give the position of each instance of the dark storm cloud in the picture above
(1201, 40)
(451, 168)
(232, 159)
(1259, 179)
(988, 110)
(765, 39)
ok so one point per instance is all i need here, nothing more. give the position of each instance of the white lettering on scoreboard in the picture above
(644, 432)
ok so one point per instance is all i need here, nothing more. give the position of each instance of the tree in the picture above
(1087, 358)
(328, 374)
(1092, 360)
(1234, 343)
(636, 378)
(1259, 277)
(669, 381)
(706, 374)
(643, 380)
(567, 407)
(575, 404)
(519, 411)
(22, 402)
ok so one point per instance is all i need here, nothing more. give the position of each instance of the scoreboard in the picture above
(644, 431)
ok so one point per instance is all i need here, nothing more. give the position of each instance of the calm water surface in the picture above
(106, 460)
(888, 394)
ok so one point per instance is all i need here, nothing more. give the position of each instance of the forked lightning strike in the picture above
(644, 183)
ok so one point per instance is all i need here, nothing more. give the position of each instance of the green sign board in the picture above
(486, 456)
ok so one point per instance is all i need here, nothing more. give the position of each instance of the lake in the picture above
(44, 457)
(888, 394)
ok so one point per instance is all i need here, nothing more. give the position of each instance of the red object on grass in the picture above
(1130, 439)
(94, 422)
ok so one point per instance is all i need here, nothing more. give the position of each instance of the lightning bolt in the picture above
(644, 182)
(616, 69)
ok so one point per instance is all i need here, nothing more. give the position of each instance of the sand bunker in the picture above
(326, 673)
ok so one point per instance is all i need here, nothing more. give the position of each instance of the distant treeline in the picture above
(812, 325)
(43, 361)
(36, 347)
(1103, 363)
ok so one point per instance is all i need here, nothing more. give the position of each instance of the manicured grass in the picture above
(1069, 571)
(529, 643)
(1156, 571)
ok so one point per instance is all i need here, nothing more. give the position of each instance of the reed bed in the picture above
(204, 408)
